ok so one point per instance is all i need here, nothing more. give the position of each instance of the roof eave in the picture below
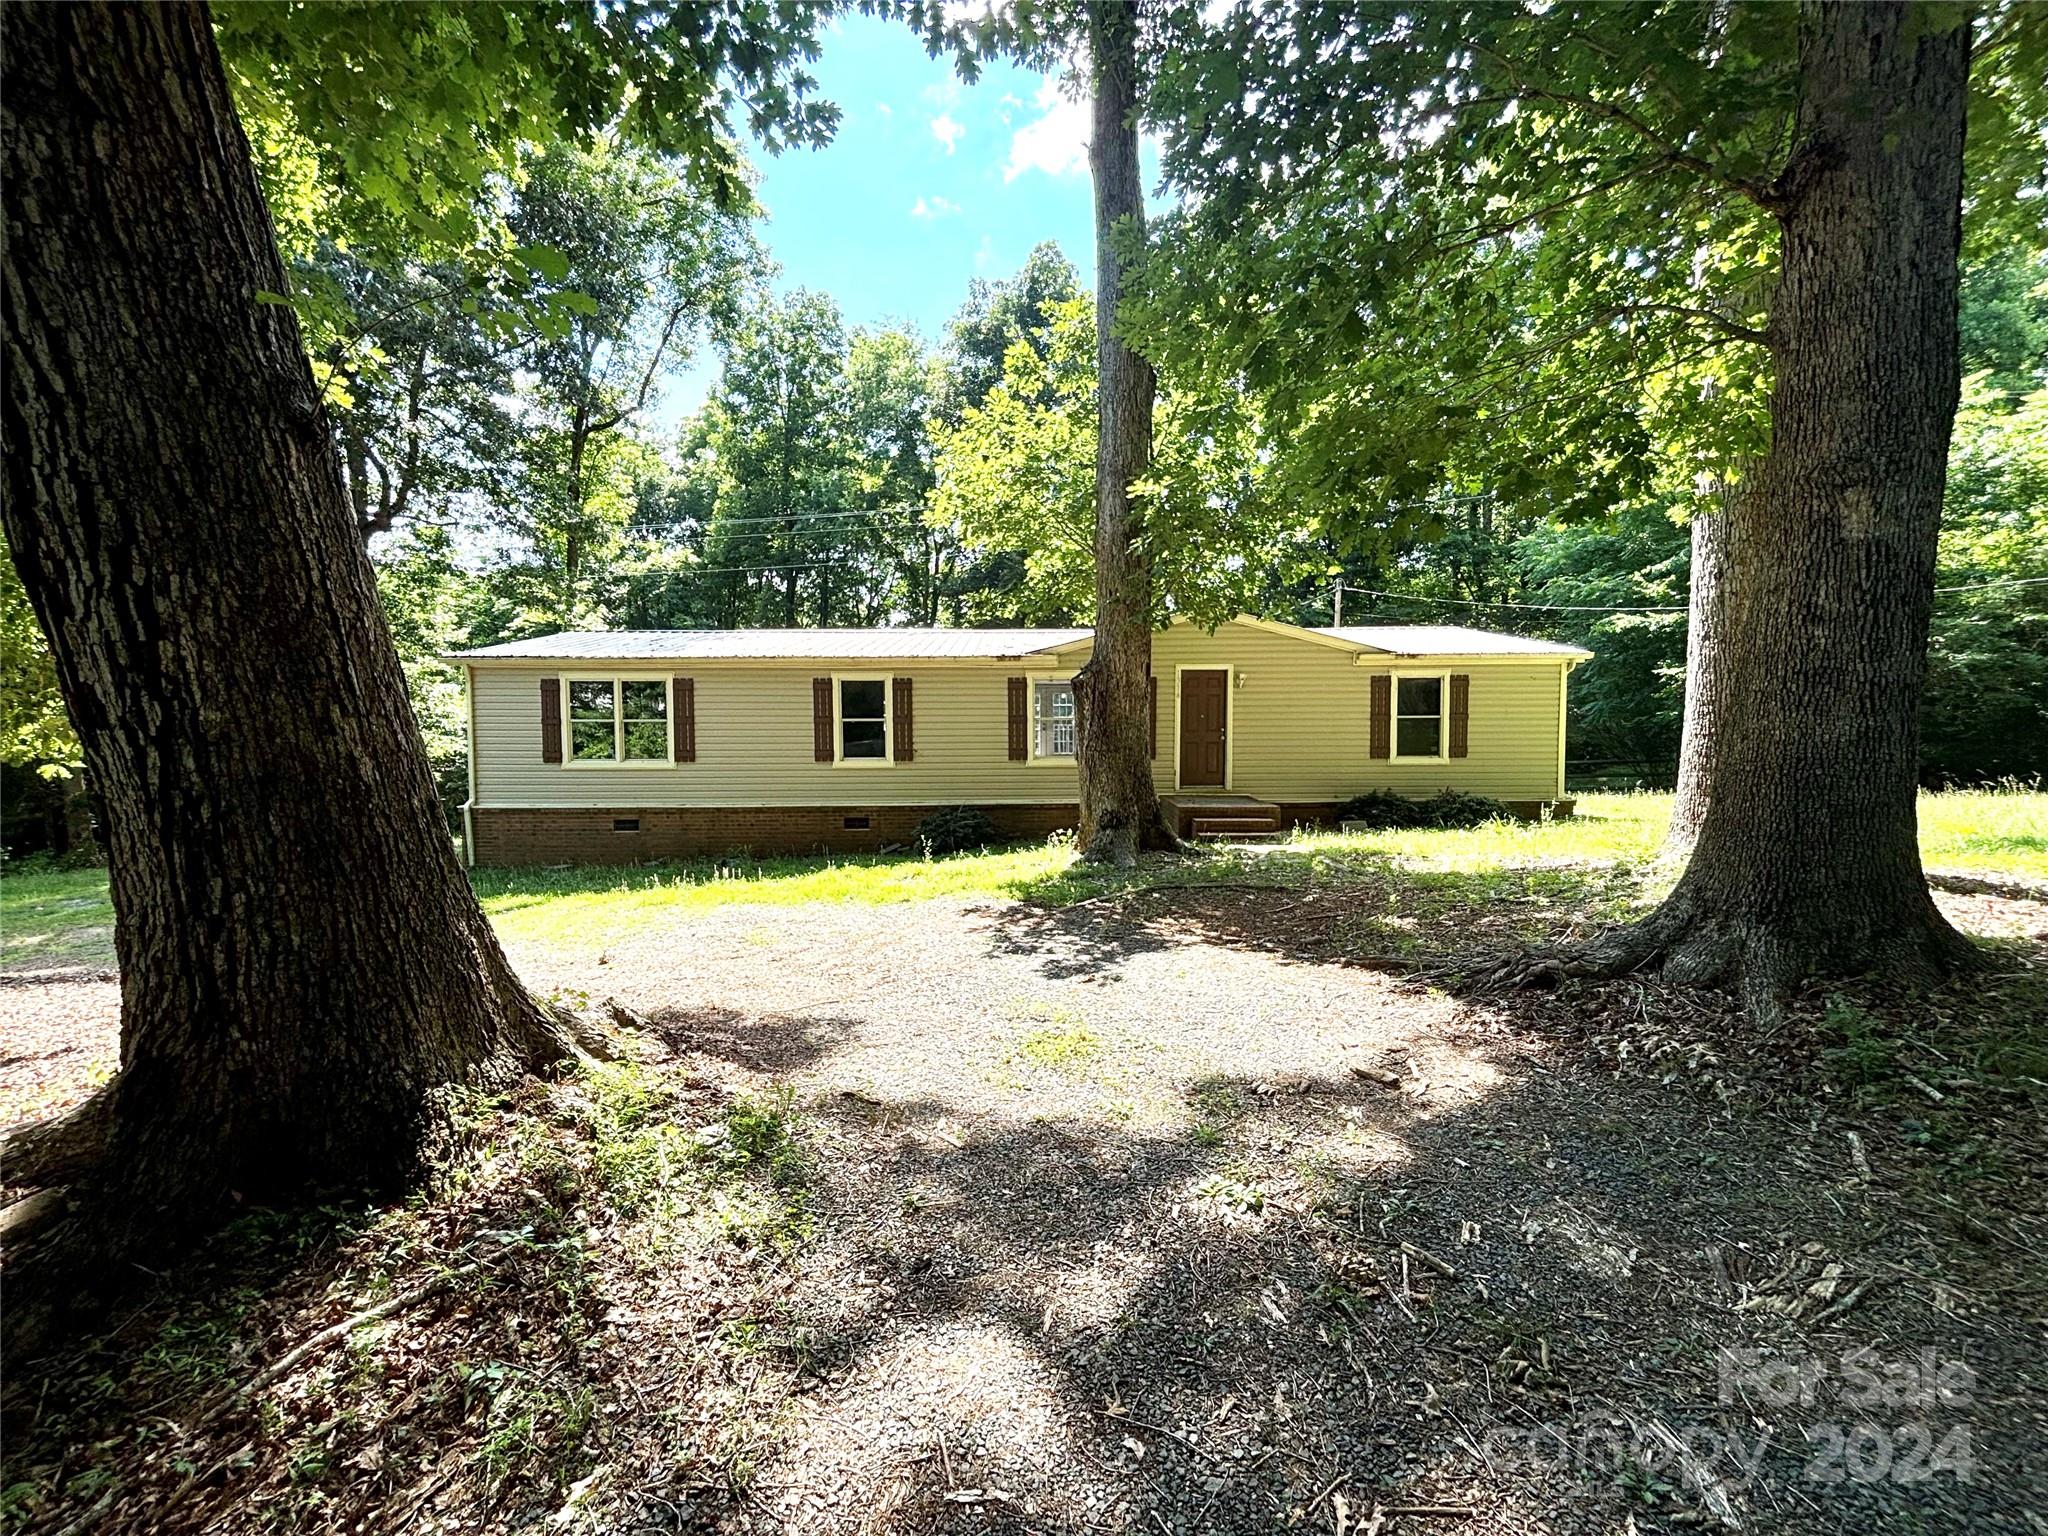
(1356, 648)
(984, 658)
(1383, 657)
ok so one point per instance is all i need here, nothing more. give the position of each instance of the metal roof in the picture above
(1446, 640)
(961, 644)
(779, 644)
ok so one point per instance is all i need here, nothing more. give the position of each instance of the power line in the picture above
(828, 514)
(748, 570)
(1459, 602)
(888, 535)
(744, 570)
(1985, 586)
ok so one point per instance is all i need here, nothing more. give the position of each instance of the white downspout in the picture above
(1564, 673)
(469, 805)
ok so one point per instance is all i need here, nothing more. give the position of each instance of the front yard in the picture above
(995, 1193)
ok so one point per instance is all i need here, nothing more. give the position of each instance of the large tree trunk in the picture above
(1120, 810)
(1706, 694)
(1808, 858)
(303, 966)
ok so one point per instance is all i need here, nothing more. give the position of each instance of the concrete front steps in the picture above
(1225, 818)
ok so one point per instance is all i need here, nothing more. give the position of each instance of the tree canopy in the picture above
(496, 309)
(1530, 249)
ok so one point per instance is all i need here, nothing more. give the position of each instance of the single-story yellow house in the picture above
(610, 747)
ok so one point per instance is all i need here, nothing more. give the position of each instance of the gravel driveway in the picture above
(1175, 1211)
(1155, 1214)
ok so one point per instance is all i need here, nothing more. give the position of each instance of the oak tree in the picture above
(304, 970)
(1552, 242)
(1105, 39)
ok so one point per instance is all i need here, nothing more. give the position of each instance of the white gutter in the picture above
(1385, 659)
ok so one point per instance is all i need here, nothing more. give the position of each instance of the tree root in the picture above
(1691, 946)
(62, 1148)
(1118, 836)
(1115, 845)
(570, 1035)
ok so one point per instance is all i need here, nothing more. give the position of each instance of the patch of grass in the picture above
(1054, 1037)
(1216, 1098)
(1215, 1102)
(535, 1426)
(1234, 1195)
(1608, 829)
(573, 903)
(1063, 1046)
(743, 1177)
(1860, 1049)
(2011, 1044)
(2001, 830)
(64, 918)
(55, 918)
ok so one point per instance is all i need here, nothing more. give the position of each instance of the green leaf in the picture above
(545, 260)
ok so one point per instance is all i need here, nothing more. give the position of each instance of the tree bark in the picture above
(1120, 811)
(303, 965)
(1706, 641)
(1808, 858)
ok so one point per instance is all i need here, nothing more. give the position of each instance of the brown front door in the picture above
(1204, 722)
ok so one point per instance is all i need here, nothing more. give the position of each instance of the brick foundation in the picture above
(506, 837)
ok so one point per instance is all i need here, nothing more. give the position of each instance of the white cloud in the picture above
(884, 109)
(947, 132)
(1056, 141)
(934, 207)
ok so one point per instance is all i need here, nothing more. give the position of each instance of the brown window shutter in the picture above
(821, 720)
(686, 719)
(1461, 712)
(900, 715)
(1020, 719)
(551, 719)
(1382, 715)
(1152, 688)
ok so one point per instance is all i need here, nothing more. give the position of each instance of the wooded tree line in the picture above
(511, 480)
(1484, 304)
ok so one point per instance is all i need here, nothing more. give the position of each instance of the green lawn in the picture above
(56, 919)
(1983, 832)
(64, 918)
(1987, 831)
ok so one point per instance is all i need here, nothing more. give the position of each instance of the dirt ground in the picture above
(1177, 1211)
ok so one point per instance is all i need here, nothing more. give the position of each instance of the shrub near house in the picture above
(609, 747)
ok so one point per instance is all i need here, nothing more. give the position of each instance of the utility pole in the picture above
(1337, 603)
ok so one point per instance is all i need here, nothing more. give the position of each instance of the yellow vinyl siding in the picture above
(1298, 731)
(1300, 717)
(754, 742)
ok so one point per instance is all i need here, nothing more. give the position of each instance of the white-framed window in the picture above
(862, 720)
(616, 720)
(1052, 719)
(1421, 700)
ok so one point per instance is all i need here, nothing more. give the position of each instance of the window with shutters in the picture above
(862, 721)
(1419, 700)
(1052, 719)
(616, 720)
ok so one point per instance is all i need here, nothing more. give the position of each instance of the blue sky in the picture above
(929, 183)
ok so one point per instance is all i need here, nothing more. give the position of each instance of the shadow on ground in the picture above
(1492, 1269)
(1368, 908)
